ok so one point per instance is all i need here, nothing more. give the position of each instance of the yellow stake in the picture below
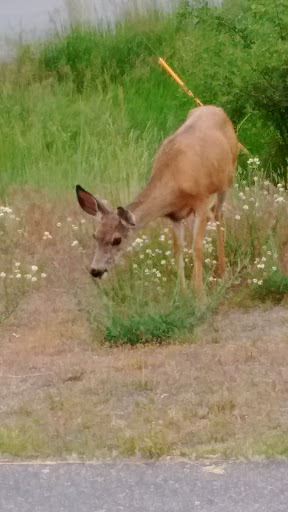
(190, 93)
(179, 81)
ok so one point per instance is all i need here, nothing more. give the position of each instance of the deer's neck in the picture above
(153, 202)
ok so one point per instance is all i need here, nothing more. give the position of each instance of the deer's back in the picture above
(200, 156)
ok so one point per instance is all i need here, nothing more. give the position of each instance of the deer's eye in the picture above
(116, 240)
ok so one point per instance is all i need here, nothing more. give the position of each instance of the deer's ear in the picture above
(89, 203)
(126, 216)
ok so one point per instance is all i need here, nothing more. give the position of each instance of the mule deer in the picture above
(191, 173)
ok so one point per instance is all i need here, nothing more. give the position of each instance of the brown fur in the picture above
(192, 165)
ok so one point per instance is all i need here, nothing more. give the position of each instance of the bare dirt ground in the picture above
(64, 395)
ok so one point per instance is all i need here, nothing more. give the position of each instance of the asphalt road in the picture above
(161, 487)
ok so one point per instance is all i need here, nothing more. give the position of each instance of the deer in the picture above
(191, 174)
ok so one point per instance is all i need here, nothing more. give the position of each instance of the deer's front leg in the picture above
(178, 238)
(198, 235)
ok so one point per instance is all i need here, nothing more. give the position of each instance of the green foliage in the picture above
(63, 102)
(146, 326)
(274, 288)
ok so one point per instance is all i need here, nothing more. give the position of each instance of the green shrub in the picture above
(146, 326)
(273, 288)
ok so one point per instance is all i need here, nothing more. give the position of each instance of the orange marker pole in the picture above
(190, 93)
(180, 82)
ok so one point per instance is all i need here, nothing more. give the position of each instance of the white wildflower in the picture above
(18, 276)
(255, 281)
(2, 274)
(34, 279)
(274, 268)
(237, 217)
(141, 256)
(43, 275)
(34, 268)
(74, 243)
(69, 219)
(82, 221)
(28, 276)
(163, 262)
(58, 224)
(245, 207)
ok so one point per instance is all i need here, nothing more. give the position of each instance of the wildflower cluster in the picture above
(152, 259)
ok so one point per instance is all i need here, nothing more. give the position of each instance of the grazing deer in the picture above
(191, 173)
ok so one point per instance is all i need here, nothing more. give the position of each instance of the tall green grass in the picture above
(93, 105)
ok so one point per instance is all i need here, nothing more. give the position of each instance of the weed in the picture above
(274, 287)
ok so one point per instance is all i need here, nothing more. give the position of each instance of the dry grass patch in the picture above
(225, 399)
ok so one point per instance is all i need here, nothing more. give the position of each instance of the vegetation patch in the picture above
(92, 106)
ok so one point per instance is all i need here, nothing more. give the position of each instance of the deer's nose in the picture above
(97, 273)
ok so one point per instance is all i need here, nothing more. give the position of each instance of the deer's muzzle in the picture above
(97, 273)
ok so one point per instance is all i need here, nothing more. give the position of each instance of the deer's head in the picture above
(112, 234)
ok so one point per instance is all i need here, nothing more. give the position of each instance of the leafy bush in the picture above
(146, 326)
(274, 288)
